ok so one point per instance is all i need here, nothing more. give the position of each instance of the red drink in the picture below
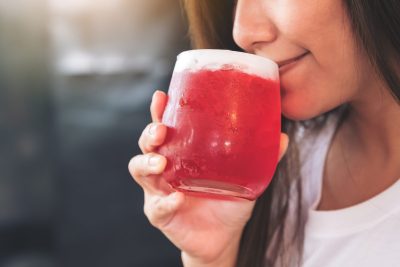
(223, 132)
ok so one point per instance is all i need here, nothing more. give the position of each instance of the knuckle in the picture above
(160, 134)
(156, 132)
(134, 166)
(159, 208)
(151, 211)
(146, 139)
(148, 164)
(140, 143)
(151, 128)
(156, 162)
(143, 140)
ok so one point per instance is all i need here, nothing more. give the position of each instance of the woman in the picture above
(334, 199)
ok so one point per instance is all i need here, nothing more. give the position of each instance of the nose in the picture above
(253, 24)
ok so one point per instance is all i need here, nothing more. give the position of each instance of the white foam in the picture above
(214, 59)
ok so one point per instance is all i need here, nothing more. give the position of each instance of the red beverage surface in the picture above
(223, 132)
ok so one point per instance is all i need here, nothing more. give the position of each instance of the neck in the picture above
(369, 138)
(364, 157)
(373, 124)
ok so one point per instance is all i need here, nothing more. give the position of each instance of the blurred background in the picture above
(76, 80)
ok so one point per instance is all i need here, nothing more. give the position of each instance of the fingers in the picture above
(144, 170)
(160, 201)
(283, 145)
(154, 134)
(152, 137)
(157, 106)
(161, 209)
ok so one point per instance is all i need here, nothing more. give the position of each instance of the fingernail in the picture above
(153, 129)
(154, 160)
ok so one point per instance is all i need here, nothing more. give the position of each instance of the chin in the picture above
(299, 109)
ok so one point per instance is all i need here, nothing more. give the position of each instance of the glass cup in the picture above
(224, 120)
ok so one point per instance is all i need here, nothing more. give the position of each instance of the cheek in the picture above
(329, 77)
(311, 90)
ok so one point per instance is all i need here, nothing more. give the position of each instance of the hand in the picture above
(204, 229)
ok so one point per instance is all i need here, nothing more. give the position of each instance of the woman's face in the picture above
(320, 64)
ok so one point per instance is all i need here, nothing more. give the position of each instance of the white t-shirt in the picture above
(364, 235)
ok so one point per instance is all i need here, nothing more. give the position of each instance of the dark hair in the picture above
(376, 27)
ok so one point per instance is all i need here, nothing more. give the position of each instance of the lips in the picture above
(284, 64)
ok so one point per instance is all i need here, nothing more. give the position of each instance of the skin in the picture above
(188, 222)
(335, 71)
(363, 157)
(280, 30)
